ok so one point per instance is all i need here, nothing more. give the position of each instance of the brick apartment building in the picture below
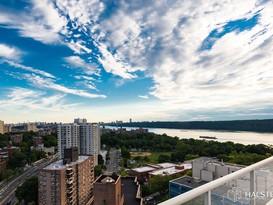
(10, 150)
(37, 140)
(107, 190)
(67, 181)
(3, 163)
(18, 138)
(117, 190)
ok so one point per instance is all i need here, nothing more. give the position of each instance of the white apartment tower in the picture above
(68, 136)
(85, 136)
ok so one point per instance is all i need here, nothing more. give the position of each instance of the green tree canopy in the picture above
(164, 158)
(28, 191)
(17, 160)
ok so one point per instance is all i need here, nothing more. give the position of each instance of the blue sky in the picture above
(115, 60)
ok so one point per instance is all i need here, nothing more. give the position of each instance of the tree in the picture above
(178, 156)
(7, 174)
(146, 159)
(100, 159)
(50, 141)
(17, 160)
(125, 153)
(164, 158)
(98, 170)
(28, 191)
(159, 183)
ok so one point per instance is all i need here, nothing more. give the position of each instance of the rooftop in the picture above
(167, 165)
(58, 165)
(188, 181)
(130, 189)
(143, 169)
(107, 179)
(171, 170)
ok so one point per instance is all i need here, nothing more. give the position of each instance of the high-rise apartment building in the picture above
(68, 136)
(1, 127)
(7, 128)
(67, 181)
(85, 136)
(80, 121)
(30, 127)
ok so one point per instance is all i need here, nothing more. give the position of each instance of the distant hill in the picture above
(235, 125)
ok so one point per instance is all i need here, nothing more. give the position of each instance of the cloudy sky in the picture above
(146, 60)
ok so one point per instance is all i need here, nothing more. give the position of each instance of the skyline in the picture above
(116, 60)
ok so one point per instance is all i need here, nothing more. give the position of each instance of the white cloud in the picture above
(10, 52)
(114, 63)
(84, 77)
(49, 15)
(19, 98)
(48, 83)
(144, 96)
(41, 105)
(82, 12)
(33, 25)
(27, 68)
(78, 62)
(163, 39)
(78, 47)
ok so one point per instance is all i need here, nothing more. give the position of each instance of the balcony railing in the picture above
(252, 185)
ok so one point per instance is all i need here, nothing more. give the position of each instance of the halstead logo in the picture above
(234, 194)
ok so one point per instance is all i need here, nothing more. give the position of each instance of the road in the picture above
(112, 164)
(8, 192)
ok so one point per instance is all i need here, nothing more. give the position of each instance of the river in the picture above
(245, 138)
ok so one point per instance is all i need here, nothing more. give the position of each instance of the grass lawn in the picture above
(153, 156)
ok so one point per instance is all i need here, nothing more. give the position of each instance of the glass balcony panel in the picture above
(200, 200)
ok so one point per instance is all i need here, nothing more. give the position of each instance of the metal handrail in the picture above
(183, 198)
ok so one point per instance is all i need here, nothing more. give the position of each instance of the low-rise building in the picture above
(131, 190)
(10, 150)
(37, 140)
(208, 169)
(145, 173)
(205, 170)
(171, 171)
(3, 163)
(17, 138)
(107, 190)
(41, 147)
(117, 190)
(142, 173)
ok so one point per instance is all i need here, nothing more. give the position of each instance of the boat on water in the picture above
(208, 137)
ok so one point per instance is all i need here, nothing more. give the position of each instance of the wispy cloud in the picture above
(78, 47)
(19, 97)
(163, 41)
(44, 24)
(10, 52)
(48, 83)
(114, 63)
(28, 68)
(169, 50)
(144, 96)
(42, 105)
(78, 62)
